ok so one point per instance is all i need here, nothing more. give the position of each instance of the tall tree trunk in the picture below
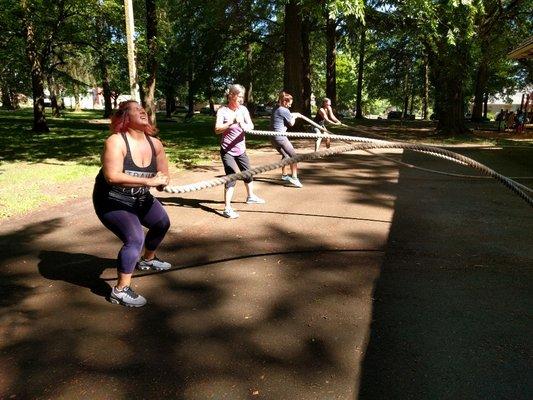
(425, 97)
(451, 103)
(170, 102)
(151, 62)
(360, 69)
(211, 106)
(248, 85)
(7, 104)
(448, 83)
(306, 65)
(485, 105)
(108, 108)
(37, 78)
(210, 98)
(105, 38)
(479, 90)
(54, 104)
(191, 89)
(405, 94)
(331, 60)
(292, 52)
(77, 105)
(412, 102)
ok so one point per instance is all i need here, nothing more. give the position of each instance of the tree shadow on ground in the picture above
(78, 269)
(282, 323)
(188, 343)
(192, 203)
(17, 244)
(452, 301)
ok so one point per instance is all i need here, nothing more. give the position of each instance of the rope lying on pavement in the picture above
(423, 148)
(363, 144)
(433, 171)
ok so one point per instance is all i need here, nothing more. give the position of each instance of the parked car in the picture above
(394, 115)
(181, 109)
(399, 115)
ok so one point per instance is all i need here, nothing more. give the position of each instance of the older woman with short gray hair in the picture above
(231, 122)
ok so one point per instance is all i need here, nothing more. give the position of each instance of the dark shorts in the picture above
(283, 145)
(235, 164)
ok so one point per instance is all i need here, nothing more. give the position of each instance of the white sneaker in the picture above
(154, 263)
(255, 200)
(285, 178)
(230, 213)
(295, 182)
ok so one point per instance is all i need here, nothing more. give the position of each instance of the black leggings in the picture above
(127, 223)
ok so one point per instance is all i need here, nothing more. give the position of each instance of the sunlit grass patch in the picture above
(26, 186)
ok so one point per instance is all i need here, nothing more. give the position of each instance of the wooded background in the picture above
(439, 57)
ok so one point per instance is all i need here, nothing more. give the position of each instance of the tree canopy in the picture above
(414, 55)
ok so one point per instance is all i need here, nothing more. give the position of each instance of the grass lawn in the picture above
(47, 168)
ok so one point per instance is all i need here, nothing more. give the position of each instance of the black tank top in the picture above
(319, 119)
(127, 195)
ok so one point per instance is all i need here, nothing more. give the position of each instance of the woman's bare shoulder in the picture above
(114, 140)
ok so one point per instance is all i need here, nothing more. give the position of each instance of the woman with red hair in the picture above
(133, 161)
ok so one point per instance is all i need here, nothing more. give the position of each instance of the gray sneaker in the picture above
(127, 297)
(155, 263)
(285, 177)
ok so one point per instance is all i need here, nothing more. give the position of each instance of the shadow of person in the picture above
(76, 268)
(192, 203)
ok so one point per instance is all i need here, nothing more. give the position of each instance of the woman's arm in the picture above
(161, 156)
(246, 124)
(332, 117)
(162, 163)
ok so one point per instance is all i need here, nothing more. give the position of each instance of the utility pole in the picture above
(130, 29)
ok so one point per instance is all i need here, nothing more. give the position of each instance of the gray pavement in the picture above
(373, 281)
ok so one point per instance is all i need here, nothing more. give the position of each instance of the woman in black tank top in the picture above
(133, 161)
(325, 114)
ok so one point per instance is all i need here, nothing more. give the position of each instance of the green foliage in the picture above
(337, 8)
(203, 46)
(346, 81)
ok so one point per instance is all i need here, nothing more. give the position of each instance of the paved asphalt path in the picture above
(373, 281)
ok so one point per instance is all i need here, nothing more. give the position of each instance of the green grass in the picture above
(25, 186)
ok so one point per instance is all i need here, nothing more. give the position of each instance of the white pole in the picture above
(130, 29)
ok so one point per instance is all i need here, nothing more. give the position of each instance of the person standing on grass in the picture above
(133, 161)
(325, 114)
(280, 120)
(231, 121)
